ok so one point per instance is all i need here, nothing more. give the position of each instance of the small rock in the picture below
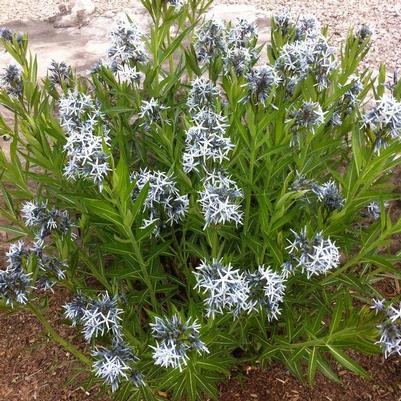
(79, 16)
(66, 21)
(109, 14)
(263, 21)
(86, 7)
(63, 9)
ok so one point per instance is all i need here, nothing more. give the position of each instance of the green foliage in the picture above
(322, 316)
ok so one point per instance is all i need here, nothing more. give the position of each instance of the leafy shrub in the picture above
(207, 200)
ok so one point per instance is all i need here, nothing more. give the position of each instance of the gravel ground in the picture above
(340, 15)
(28, 9)
(11, 10)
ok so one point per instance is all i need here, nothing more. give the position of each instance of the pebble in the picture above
(339, 15)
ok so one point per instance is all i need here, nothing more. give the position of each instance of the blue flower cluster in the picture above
(384, 121)
(101, 317)
(174, 339)
(46, 221)
(86, 137)
(164, 204)
(15, 283)
(390, 328)
(234, 44)
(115, 364)
(11, 80)
(229, 290)
(316, 255)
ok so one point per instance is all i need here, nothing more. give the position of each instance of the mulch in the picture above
(34, 368)
(277, 384)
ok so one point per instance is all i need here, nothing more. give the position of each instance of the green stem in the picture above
(323, 341)
(213, 240)
(57, 338)
(144, 268)
(249, 193)
(99, 277)
(178, 246)
(171, 57)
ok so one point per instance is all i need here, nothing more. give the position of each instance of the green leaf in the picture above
(357, 150)
(325, 368)
(18, 232)
(104, 210)
(345, 361)
(312, 365)
(337, 315)
(137, 206)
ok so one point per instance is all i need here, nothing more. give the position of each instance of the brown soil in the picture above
(34, 368)
(277, 384)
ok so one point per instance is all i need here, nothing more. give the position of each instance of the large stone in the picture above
(83, 6)
(81, 48)
(79, 15)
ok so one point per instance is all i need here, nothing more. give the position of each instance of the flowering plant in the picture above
(207, 200)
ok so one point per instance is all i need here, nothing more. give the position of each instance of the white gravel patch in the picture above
(383, 15)
(340, 15)
(11, 10)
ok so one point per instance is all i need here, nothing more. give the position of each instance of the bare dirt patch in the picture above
(35, 368)
(276, 384)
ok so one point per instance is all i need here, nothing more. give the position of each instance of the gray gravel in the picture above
(11, 10)
(383, 15)
(339, 15)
